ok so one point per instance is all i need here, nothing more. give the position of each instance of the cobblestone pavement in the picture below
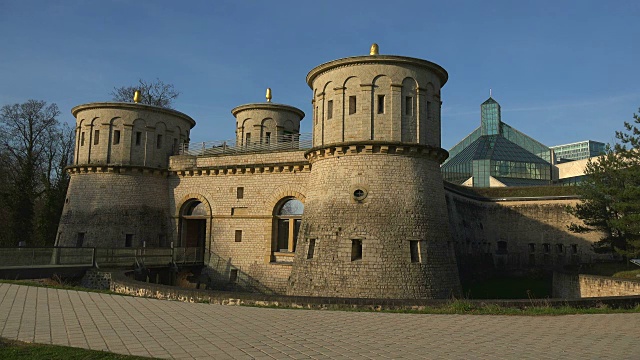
(166, 329)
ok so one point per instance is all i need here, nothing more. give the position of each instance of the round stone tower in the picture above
(118, 191)
(375, 222)
(266, 123)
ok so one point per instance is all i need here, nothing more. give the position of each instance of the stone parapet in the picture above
(376, 147)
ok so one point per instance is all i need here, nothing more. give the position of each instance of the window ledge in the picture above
(281, 263)
(289, 254)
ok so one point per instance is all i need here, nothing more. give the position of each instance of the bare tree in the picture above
(35, 149)
(155, 93)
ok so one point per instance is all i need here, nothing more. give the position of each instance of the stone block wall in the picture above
(94, 279)
(573, 286)
(107, 203)
(396, 211)
(518, 233)
(249, 261)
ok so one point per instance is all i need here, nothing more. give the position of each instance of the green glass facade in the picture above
(578, 150)
(497, 150)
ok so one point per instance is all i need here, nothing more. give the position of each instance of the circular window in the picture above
(359, 194)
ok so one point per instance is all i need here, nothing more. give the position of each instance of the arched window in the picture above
(195, 208)
(287, 224)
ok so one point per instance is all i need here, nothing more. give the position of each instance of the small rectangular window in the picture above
(356, 249)
(240, 193)
(233, 276)
(96, 137)
(138, 137)
(80, 239)
(559, 248)
(267, 138)
(352, 105)
(574, 248)
(546, 248)
(329, 109)
(380, 104)
(316, 114)
(408, 105)
(414, 246)
(159, 142)
(128, 240)
(238, 235)
(532, 247)
(312, 248)
(248, 139)
(82, 138)
(116, 137)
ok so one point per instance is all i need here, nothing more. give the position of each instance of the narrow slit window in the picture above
(138, 137)
(352, 105)
(380, 104)
(408, 105)
(159, 141)
(82, 139)
(238, 235)
(240, 193)
(414, 246)
(574, 248)
(532, 247)
(116, 137)
(356, 249)
(96, 137)
(312, 248)
(247, 139)
(80, 239)
(429, 110)
(128, 240)
(267, 138)
(233, 276)
(329, 109)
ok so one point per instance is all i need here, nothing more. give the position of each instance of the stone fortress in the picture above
(357, 209)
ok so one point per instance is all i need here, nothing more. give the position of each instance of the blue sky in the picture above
(563, 71)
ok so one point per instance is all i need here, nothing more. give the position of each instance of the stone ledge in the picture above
(115, 169)
(244, 169)
(376, 147)
(123, 285)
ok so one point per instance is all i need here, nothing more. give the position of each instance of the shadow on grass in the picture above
(11, 349)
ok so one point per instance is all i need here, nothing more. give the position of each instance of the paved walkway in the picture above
(166, 329)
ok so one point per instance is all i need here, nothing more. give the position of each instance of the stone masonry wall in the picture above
(524, 227)
(572, 286)
(252, 258)
(404, 203)
(106, 205)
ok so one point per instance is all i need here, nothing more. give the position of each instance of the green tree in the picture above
(610, 193)
(155, 93)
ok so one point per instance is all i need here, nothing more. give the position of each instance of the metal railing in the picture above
(229, 147)
(23, 257)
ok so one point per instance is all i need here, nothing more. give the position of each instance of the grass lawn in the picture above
(509, 288)
(10, 349)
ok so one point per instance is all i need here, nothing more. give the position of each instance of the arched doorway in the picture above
(288, 217)
(193, 224)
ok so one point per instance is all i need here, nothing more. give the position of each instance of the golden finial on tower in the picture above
(374, 49)
(136, 96)
(268, 94)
